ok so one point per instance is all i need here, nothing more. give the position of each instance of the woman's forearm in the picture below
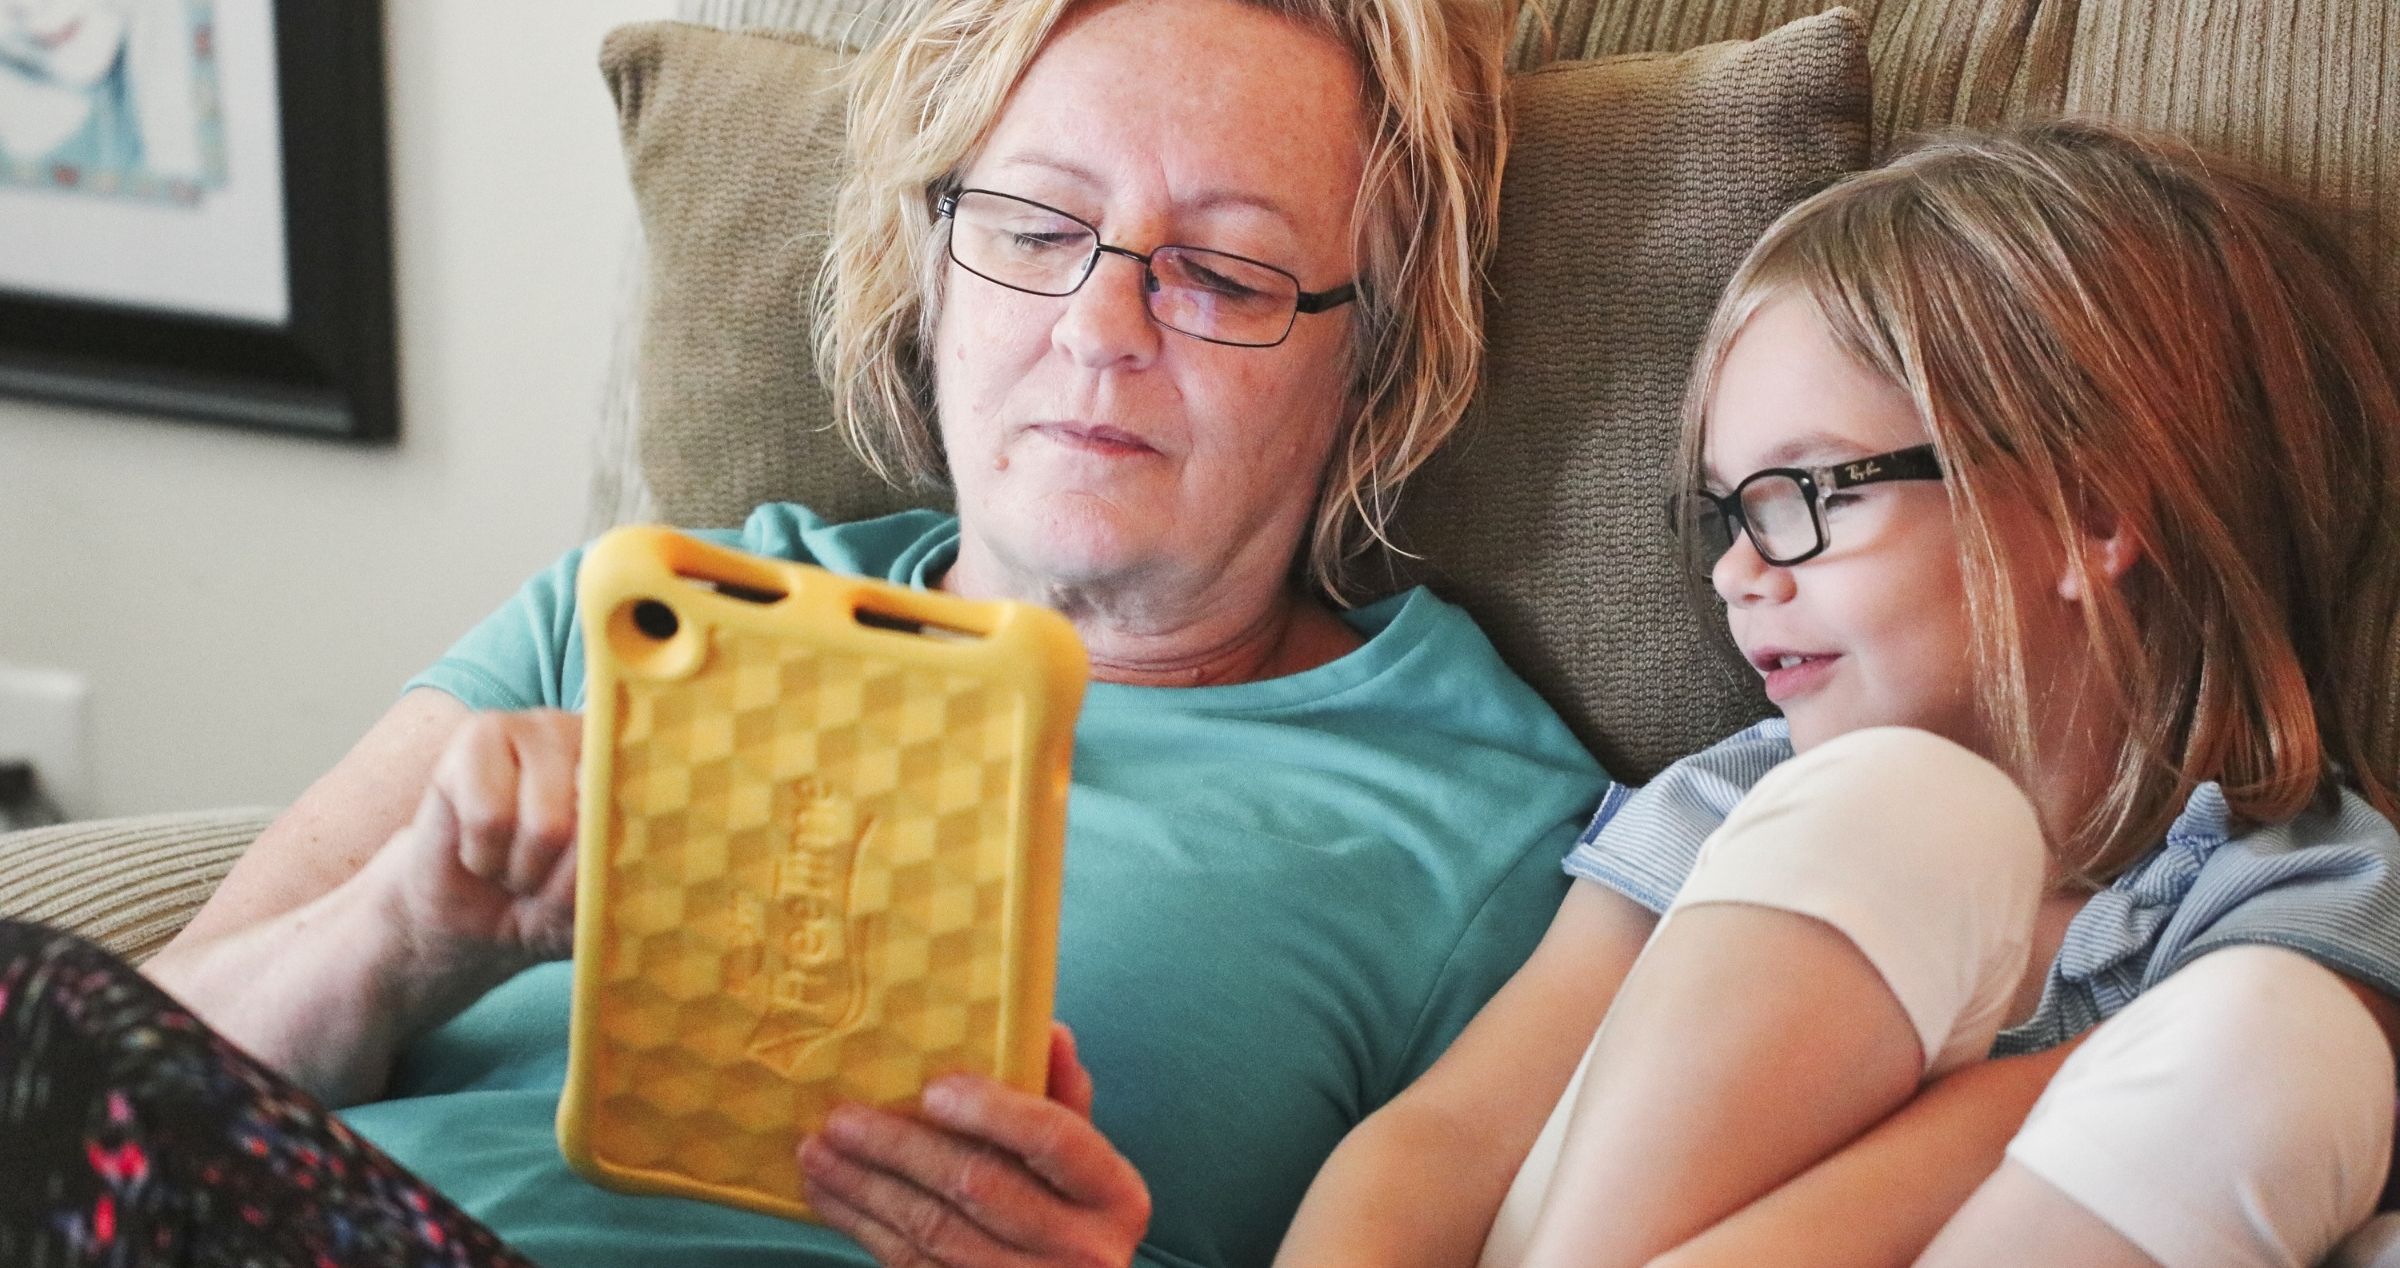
(1881, 1199)
(295, 957)
(394, 923)
(325, 993)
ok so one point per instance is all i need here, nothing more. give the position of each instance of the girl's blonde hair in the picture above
(2119, 331)
(924, 99)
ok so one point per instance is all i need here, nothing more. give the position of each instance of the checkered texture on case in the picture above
(803, 889)
(751, 920)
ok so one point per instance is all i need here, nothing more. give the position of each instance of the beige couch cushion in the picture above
(2307, 88)
(842, 23)
(1635, 184)
(734, 145)
(1634, 187)
(127, 884)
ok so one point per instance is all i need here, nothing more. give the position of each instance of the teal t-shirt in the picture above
(1283, 900)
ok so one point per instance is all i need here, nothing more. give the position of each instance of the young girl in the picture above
(2048, 480)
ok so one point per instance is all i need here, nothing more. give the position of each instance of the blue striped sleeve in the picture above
(2326, 885)
(1642, 842)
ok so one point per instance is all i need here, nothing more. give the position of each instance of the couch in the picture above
(1543, 519)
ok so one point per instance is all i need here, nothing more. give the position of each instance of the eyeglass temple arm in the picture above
(1917, 463)
(1319, 301)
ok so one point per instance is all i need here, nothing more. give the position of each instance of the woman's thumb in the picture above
(1070, 1083)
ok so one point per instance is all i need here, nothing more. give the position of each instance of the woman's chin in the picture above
(1079, 540)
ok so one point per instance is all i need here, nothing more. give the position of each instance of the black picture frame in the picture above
(330, 369)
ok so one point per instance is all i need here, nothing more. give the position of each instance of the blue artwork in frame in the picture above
(111, 98)
(194, 213)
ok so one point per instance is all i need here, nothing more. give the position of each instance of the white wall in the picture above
(245, 605)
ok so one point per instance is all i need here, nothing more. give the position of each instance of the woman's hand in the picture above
(356, 925)
(485, 872)
(990, 1176)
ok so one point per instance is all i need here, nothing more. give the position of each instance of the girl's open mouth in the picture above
(1790, 674)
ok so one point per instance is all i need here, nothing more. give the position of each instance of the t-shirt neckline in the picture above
(1391, 627)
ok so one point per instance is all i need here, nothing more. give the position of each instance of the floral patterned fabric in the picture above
(134, 1135)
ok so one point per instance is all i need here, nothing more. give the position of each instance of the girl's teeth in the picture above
(1788, 661)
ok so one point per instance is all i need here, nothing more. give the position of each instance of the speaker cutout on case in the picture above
(761, 595)
(898, 624)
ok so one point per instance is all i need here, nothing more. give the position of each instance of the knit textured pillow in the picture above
(2301, 88)
(734, 143)
(1635, 183)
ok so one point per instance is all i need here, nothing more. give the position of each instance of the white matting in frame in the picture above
(141, 156)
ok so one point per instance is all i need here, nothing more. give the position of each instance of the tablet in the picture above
(819, 860)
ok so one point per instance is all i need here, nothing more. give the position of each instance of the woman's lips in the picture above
(1103, 441)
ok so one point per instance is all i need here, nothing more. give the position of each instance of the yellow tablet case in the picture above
(822, 824)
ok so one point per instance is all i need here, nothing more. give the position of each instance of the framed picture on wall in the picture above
(195, 211)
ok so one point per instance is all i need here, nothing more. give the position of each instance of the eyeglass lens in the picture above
(1777, 511)
(1710, 533)
(1200, 292)
(1774, 508)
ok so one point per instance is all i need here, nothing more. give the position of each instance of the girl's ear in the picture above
(2108, 552)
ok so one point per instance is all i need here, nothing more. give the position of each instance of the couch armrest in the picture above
(127, 884)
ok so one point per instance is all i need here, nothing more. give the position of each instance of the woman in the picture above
(1179, 291)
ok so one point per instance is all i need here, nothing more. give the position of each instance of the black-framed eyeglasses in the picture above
(1783, 508)
(1212, 295)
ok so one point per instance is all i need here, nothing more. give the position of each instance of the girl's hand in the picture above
(990, 1176)
(484, 874)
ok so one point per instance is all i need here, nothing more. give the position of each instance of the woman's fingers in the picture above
(1055, 1141)
(475, 786)
(888, 1247)
(1027, 1173)
(505, 790)
(902, 1222)
(1069, 1083)
(546, 746)
(491, 853)
(916, 1178)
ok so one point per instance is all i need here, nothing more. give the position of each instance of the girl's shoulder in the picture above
(2325, 883)
(2340, 833)
(1642, 841)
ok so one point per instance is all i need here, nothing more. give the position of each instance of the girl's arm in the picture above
(2386, 1012)
(1881, 1199)
(1419, 1181)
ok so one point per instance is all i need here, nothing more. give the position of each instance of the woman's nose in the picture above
(1742, 578)
(1107, 319)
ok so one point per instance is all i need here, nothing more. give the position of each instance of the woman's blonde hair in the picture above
(2118, 331)
(924, 99)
